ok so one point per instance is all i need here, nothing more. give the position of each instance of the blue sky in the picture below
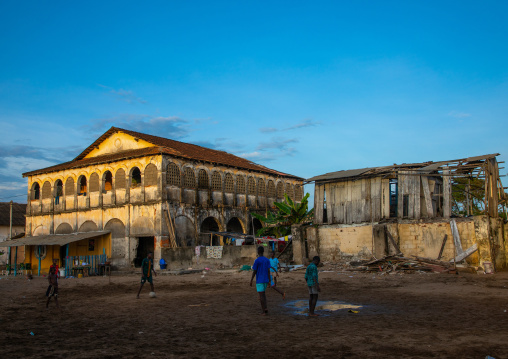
(302, 87)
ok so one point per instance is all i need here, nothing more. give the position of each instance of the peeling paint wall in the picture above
(419, 238)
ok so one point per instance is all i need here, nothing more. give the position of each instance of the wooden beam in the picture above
(442, 247)
(394, 244)
(428, 198)
(447, 205)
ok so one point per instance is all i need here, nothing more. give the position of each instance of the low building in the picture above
(128, 192)
(18, 229)
(358, 212)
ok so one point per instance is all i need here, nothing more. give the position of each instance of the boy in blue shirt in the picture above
(311, 276)
(274, 268)
(261, 269)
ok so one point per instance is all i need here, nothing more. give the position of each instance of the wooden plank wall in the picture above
(359, 201)
(409, 185)
(318, 203)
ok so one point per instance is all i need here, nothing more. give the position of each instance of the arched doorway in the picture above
(209, 225)
(256, 225)
(234, 225)
(185, 231)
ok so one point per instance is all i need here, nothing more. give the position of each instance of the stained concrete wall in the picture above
(184, 258)
(4, 234)
(419, 238)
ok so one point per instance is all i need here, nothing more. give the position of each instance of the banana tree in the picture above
(287, 213)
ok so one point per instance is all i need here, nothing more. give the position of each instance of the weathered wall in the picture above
(4, 234)
(184, 258)
(419, 238)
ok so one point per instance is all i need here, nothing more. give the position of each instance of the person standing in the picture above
(146, 272)
(311, 276)
(274, 269)
(53, 287)
(261, 270)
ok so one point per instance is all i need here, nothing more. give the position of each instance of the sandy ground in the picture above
(401, 316)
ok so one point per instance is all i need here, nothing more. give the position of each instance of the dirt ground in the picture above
(216, 315)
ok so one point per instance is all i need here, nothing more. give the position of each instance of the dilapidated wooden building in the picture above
(406, 191)
(409, 208)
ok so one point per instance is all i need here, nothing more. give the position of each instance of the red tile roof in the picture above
(161, 146)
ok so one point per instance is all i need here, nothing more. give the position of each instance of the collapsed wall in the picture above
(423, 238)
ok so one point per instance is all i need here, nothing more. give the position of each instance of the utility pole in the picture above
(9, 262)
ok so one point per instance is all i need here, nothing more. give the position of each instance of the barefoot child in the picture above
(146, 272)
(311, 276)
(261, 269)
(274, 268)
(53, 286)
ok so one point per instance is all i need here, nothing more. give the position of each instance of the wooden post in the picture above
(428, 198)
(447, 205)
(442, 247)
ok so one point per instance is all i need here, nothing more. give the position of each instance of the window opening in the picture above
(325, 210)
(46, 190)
(108, 181)
(58, 191)
(271, 189)
(189, 178)
(69, 187)
(94, 182)
(173, 175)
(36, 191)
(229, 185)
(280, 190)
(150, 175)
(120, 179)
(240, 184)
(202, 179)
(261, 187)
(405, 205)
(136, 177)
(82, 186)
(394, 197)
(216, 181)
(251, 185)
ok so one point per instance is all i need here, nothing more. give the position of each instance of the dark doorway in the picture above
(145, 246)
(394, 197)
(209, 225)
(234, 226)
(256, 225)
(63, 254)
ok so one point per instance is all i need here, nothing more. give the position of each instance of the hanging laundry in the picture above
(214, 252)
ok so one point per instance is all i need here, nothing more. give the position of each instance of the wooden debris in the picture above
(401, 264)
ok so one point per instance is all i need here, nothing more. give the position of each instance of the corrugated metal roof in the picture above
(18, 214)
(340, 174)
(419, 167)
(52, 239)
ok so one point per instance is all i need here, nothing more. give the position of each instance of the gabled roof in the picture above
(160, 146)
(18, 214)
(458, 166)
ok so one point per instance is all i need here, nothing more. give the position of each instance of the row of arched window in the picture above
(93, 183)
(187, 179)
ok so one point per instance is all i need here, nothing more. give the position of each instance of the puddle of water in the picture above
(302, 306)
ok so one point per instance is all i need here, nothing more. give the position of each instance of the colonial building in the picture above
(120, 189)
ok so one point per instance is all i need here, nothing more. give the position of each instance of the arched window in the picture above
(120, 179)
(46, 190)
(261, 187)
(189, 178)
(271, 189)
(82, 185)
(240, 184)
(229, 185)
(298, 192)
(202, 179)
(280, 190)
(173, 175)
(135, 177)
(151, 175)
(251, 185)
(94, 182)
(36, 191)
(289, 190)
(69, 187)
(216, 181)
(58, 191)
(108, 181)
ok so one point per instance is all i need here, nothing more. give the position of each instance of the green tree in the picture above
(287, 213)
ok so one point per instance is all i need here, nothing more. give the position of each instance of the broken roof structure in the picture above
(409, 190)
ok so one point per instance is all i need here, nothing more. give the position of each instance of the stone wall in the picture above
(420, 238)
(185, 257)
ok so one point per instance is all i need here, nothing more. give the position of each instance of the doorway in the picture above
(145, 246)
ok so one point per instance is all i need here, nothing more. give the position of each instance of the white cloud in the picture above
(458, 114)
